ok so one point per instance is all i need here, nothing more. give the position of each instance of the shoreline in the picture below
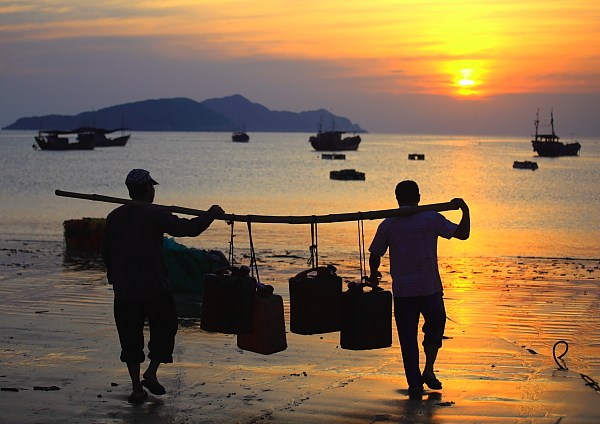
(331, 251)
(57, 330)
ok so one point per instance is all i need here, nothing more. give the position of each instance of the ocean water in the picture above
(550, 212)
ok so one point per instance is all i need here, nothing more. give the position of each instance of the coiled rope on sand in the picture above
(589, 381)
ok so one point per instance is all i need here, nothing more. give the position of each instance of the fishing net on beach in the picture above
(187, 266)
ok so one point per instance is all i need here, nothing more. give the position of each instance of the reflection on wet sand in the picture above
(496, 365)
(83, 261)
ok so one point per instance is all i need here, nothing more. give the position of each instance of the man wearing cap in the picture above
(416, 283)
(136, 268)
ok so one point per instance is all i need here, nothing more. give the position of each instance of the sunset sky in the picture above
(461, 67)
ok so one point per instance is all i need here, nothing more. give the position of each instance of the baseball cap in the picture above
(137, 177)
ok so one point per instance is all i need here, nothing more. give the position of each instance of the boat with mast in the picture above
(58, 140)
(548, 145)
(86, 138)
(240, 136)
(99, 134)
(332, 140)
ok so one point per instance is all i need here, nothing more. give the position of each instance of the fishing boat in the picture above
(525, 165)
(347, 174)
(548, 145)
(85, 138)
(240, 137)
(58, 140)
(332, 140)
(99, 134)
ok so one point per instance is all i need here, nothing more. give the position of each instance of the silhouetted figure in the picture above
(416, 282)
(132, 252)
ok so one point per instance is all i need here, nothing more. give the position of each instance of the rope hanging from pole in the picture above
(231, 257)
(361, 250)
(313, 261)
(253, 263)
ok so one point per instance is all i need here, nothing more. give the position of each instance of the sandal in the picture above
(432, 382)
(154, 386)
(138, 399)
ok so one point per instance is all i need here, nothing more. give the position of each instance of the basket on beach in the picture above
(84, 234)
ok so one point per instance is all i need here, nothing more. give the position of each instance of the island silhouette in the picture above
(183, 114)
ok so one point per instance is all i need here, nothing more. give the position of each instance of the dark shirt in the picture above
(132, 248)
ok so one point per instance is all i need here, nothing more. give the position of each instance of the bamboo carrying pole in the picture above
(302, 219)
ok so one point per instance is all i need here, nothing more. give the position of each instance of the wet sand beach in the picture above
(505, 314)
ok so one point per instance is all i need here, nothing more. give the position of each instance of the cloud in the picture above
(292, 54)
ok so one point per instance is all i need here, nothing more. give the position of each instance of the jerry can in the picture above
(366, 318)
(268, 335)
(315, 301)
(228, 301)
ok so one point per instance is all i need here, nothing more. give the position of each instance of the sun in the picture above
(466, 77)
(466, 80)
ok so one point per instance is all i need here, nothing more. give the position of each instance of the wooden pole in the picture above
(270, 219)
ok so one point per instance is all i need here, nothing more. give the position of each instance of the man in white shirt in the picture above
(416, 283)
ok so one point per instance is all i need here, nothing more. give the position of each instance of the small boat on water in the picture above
(332, 140)
(548, 145)
(525, 165)
(416, 156)
(347, 174)
(57, 140)
(99, 134)
(86, 138)
(240, 137)
(337, 156)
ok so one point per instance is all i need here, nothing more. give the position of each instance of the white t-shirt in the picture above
(412, 241)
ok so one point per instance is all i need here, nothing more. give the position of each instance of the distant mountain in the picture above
(179, 114)
(256, 117)
(182, 114)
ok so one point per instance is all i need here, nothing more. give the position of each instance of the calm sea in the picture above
(550, 212)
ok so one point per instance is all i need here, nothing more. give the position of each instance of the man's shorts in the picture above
(130, 317)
